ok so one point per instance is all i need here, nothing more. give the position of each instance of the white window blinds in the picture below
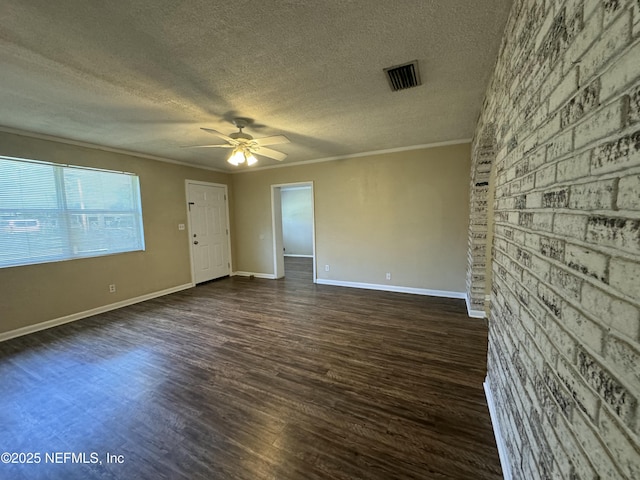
(51, 212)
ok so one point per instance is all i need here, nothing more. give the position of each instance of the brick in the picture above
(614, 232)
(528, 182)
(521, 168)
(555, 41)
(613, 39)
(573, 168)
(584, 397)
(620, 445)
(583, 40)
(518, 237)
(570, 225)
(549, 129)
(625, 277)
(552, 248)
(624, 359)
(565, 90)
(585, 101)
(540, 268)
(556, 198)
(564, 343)
(530, 143)
(584, 329)
(537, 158)
(612, 312)
(565, 281)
(621, 74)
(616, 155)
(587, 261)
(601, 123)
(558, 392)
(550, 299)
(533, 200)
(609, 388)
(546, 176)
(516, 270)
(561, 145)
(600, 459)
(563, 463)
(536, 307)
(523, 257)
(543, 221)
(525, 219)
(629, 193)
(582, 467)
(545, 400)
(551, 89)
(590, 7)
(612, 8)
(544, 31)
(518, 365)
(599, 195)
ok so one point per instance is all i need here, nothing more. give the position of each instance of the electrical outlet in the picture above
(112, 288)
(326, 268)
(181, 226)
(388, 276)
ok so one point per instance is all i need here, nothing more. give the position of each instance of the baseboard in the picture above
(269, 276)
(473, 313)
(391, 288)
(502, 449)
(89, 313)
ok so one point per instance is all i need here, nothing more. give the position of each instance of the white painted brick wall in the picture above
(563, 116)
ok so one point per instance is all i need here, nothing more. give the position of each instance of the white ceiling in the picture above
(145, 75)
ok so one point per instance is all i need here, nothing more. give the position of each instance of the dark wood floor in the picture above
(254, 379)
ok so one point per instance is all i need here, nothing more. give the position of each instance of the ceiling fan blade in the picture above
(224, 145)
(271, 140)
(218, 134)
(267, 152)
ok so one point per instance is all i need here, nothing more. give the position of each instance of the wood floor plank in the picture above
(255, 379)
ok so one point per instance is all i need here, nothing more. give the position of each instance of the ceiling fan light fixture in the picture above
(244, 146)
(237, 157)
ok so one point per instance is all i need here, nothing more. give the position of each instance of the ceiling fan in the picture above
(244, 145)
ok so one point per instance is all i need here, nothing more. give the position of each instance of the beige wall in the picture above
(297, 220)
(405, 213)
(37, 293)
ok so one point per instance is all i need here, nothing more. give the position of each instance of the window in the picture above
(51, 212)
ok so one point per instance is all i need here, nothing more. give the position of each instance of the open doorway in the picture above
(294, 230)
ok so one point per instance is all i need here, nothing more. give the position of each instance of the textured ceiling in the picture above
(145, 75)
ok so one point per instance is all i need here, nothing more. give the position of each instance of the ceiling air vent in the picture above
(403, 76)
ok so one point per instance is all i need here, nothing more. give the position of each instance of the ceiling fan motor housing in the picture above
(240, 136)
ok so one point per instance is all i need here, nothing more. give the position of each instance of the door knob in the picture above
(195, 242)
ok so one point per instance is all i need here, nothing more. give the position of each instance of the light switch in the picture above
(181, 226)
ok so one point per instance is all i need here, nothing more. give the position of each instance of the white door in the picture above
(208, 231)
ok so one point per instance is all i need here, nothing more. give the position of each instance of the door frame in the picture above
(276, 226)
(188, 182)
